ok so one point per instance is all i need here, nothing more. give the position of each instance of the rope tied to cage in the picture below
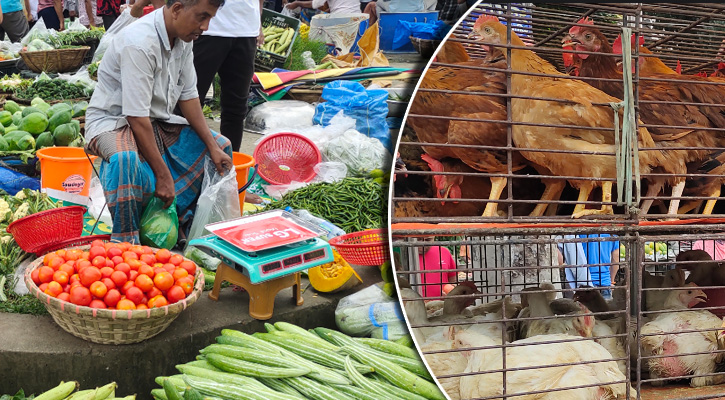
(626, 153)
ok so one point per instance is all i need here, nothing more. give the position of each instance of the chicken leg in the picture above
(497, 186)
(676, 192)
(552, 192)
(653, 189)
(584, 191)
(710, 204)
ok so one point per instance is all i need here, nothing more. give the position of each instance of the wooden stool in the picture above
(261, 295)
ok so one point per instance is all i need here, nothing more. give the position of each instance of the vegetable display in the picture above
(277, 40)
(40, 125)
(67, 391)
(289, 362)
(12, 83)
(116, 276)
(52, 89)
(333, 277)
(353, 204)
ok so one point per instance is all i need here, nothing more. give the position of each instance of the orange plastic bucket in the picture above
(65, 172)
(242, 164)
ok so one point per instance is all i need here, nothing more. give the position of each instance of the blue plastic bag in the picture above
(436, 30)
(13, 182)
(368, 108)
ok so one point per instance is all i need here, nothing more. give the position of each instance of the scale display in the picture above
(271, 263)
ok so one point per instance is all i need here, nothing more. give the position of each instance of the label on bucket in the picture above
(74, 184)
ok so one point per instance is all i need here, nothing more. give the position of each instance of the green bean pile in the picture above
(353, 204)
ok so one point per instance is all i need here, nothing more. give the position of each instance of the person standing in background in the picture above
(576, 272)
(228, 48)
(51, 11)
(108, 10)
(603, 260)
(435, 258)
(88, 16)
(14, 19)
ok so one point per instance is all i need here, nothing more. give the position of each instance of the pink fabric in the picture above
(715, 248)
(436, 258)
(43, 4)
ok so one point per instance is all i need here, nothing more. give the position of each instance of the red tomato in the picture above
(112, 297)
(123, 267)
(67, 269)
(97, 242)
(114, 252)
(97, 303)
(110, 284)
(43, 286)
(98, 289)
(97, 251)
(146, 270)
(99, 261)
(90, 275)
(81, 264)
(129, 255)
(174, 294)
(144, 283)
(158, 301)
(134, 294)
(117, 260)
(153, 292)
(65, 296)
(176, 259)
(169, 267)
(126, 304)
(119, 278)
(45, 274)
(54, 289)
(61, 277)
(34, 276)
(81, 296)
(189, 266)
(110, 263)
(163, 280)
(75, 278)
(127, 286)
(133, 275)
(106, 272)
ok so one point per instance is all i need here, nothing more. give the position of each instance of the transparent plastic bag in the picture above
(361, 154)
(159, 225)
(361, 313)
(279, 116)
(119, 24)
(97, 202)
(76, 26)
(81, 78)
(38, 31)
(218, 201)
(330, 171)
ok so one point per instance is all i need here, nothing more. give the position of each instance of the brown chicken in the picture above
(647, 65)
(678, 123)
(465, 132)
(576, 110)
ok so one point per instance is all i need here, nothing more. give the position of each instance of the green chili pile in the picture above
(353, 204)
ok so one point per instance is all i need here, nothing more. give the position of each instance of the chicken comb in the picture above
(617, 45)
(483, 19)
(435, 166)
(678, 69)
(575, 29)
(719, 65)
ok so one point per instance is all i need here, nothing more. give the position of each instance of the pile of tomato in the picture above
(118, 276)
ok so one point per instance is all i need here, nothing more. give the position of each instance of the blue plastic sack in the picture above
(13, 182)
(368, 108)
(436, 30)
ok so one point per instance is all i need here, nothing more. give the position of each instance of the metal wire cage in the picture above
(465, 142)
(495, 169)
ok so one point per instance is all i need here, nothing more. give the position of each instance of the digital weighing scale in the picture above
(264, 253)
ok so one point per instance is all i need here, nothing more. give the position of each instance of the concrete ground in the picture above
(36, 354)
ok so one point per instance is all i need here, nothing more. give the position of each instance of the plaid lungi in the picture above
(128, 181)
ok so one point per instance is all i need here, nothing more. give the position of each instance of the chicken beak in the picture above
(569, 44)
(700, 297)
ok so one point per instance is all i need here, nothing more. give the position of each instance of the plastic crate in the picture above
(265, 60)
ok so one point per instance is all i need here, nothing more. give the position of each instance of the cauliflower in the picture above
(21, 212)
(6, 239)
(20, 195)
(5, 211)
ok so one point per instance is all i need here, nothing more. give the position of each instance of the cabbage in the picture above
(159, 226)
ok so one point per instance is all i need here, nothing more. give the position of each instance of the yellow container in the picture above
(242, 164)
(65, 173)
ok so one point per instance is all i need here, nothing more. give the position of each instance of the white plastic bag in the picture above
(361, 313)
(81, 78)
(361, 154)
(96, 203)
(279, 116)
(330, 172)
(218, 201)
(119, 24)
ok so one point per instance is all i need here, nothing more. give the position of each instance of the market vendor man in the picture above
(147, 150)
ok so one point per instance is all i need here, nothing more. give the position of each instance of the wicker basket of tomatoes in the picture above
(114, 293)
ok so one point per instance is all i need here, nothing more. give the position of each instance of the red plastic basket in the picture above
(368, 248)
(47, 228)
(286, 157)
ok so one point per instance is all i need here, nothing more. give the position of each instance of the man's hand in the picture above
(165, 190)
(260, 38)
(293, 5)
(221, 160)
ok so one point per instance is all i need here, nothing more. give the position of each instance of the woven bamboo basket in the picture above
(111, 326)
(58, 60)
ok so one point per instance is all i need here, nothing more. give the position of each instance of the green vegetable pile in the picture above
(302, 44)
(27, 129)
(67, 391)
(75, 37)
(353, 204)
(292, 363)
(12, 208)
(52, 89)
(12, 83)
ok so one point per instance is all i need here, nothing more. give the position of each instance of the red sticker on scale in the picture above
(263, 234)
